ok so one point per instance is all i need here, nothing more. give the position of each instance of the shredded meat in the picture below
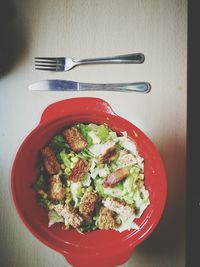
(71, 216)
(119, 206)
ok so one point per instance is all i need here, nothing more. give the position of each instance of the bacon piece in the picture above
(75, 139)
(115, 177)
(109, 153)
(57, 192)
(50, 161)
(79, 170)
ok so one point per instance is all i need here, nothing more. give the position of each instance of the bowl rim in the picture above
(44, 123)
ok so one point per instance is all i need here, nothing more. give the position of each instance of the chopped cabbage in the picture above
(127, 224)
(87, 180)
(101, 131)
(76, 191)
(141, 199)
(100, 149)
(95, 139)
(54, 217)
(127, 144)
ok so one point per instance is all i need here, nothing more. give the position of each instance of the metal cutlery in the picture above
(67, 63)
(65, 85)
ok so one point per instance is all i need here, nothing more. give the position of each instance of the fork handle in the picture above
(143, 87)
(135, 58)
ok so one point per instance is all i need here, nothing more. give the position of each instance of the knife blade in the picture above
(66, 85)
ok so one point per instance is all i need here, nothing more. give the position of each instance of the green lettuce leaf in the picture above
(42, 182)
(65, 158)
(101, 131)
(43, 202)
(58, 143)
(54, 217)
(84, 130)
(76, 192)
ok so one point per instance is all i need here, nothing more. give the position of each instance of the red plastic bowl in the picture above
(98, 248)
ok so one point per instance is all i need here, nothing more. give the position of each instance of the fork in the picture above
(67, 63)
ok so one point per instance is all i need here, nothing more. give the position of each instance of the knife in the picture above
(65, 85)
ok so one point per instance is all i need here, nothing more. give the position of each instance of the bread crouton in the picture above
(106, 219)
(75, 139)
(57, 192)
(79, 170)
(50, 161)
(88, 203)
(115, 177)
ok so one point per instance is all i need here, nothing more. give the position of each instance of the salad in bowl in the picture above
(90, 177)
(89, 169)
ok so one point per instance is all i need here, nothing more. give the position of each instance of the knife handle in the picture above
(142, 87)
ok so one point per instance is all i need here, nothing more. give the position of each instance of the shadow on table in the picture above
(12, 43)
(168, 238)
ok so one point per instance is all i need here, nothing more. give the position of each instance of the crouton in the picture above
(106, 219)
(57, 192)
(108, 154)
(75, 139)
(50, 161)
(79, 170)
(115, 177)
(88, 203)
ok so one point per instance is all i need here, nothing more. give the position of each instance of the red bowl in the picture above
(98, 248)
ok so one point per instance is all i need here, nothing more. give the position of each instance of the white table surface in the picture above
(93, 28)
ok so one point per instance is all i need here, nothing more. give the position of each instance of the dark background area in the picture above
(193, 136)
(12, 41)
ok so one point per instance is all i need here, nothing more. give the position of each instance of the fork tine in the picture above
(47, 65)
(48, 58)
(45, 61)
(49, 69)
